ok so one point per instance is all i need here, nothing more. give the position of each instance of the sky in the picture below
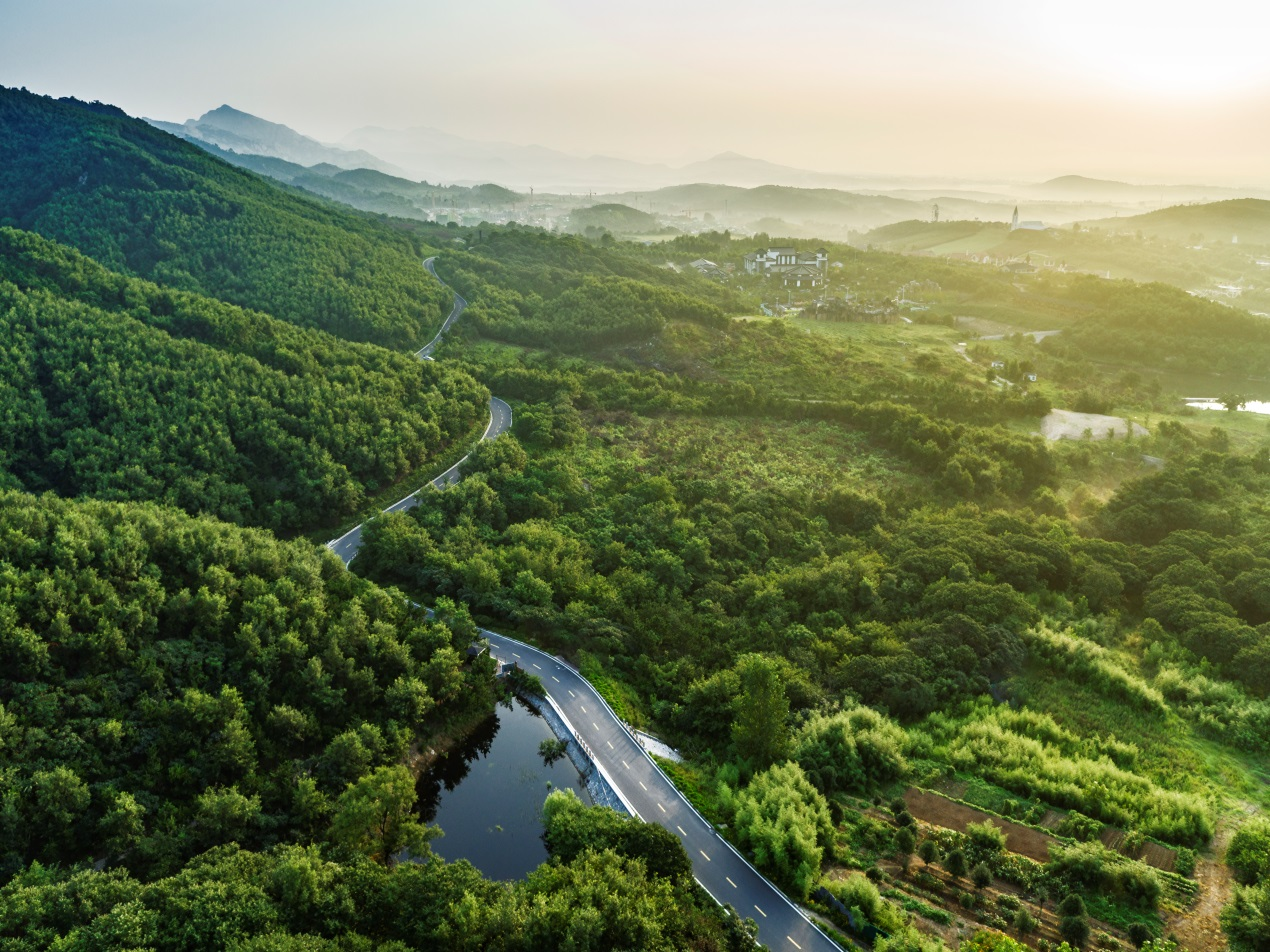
(975, 89)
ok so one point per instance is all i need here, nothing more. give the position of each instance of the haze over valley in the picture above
(707, 477)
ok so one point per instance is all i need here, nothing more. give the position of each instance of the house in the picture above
(476, 649)
(709, 269)
(1030, 378)
(803, 276)
(998, 364)
(780, 260)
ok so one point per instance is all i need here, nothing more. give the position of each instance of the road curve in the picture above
(500, 420)
(650, 795)
(635, 778)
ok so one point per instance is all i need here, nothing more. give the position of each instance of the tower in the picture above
(1014, 222)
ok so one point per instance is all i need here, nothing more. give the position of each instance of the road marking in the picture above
(703, 853)
(796, 945)
(536, 665)
(514, 655)
(597, 727)
(730, 883)
(554, 678)
(661, 808)
(681, 830)
(626, 765)
(571, 694)
(760, 911)
(610, 743)
(641, 783)
(583, 706)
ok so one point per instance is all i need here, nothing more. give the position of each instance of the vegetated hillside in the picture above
(1162, 327)
(139, 200)
(618, 219)
(1247, 219)
(170, 683)
(118, 388)
(823, 568)
(529, 287)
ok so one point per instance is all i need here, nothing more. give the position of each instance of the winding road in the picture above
(500, 420)
(638, 782)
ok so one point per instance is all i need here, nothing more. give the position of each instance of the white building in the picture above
(780, 260)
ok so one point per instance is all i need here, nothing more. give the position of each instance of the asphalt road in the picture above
(638, 782)
(650, 795)
(500, 420)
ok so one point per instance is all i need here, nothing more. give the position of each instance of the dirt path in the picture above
(1199, 927)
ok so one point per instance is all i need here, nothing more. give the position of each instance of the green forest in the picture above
(946, 682)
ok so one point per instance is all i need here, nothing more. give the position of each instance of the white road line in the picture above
(760, 911)
(626, 765)
(514, 655)
(610, 743)
(730, 883)
(554, 678)
(597, 727)
(583, 706)
(536, 665)
(661, 808)
(641, 783)
(571, 694)
(681, 830)
(703, 853)
(791, 939)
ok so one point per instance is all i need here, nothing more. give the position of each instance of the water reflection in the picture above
(1251, 406)
(487, 794)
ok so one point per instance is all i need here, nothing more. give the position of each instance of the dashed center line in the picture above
(681, 830)
(641, 783)
(536, 665)
(610, 743)
(554, 678)
(571, 694)
(514, 655)
(626, 765)
(760, 911)
(730, 883)
(703, 853)
(791, 939)
(583, 706)
(597, 727)
(661, 808)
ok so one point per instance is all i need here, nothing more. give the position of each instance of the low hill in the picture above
(618, 219)
(140, 200)
(116, 388)
(1247, 219)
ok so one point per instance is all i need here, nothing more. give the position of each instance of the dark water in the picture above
(487, 794)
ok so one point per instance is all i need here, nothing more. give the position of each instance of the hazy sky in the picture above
(1149, 91)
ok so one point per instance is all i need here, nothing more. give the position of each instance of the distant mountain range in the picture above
(241, 132)
(744, 192)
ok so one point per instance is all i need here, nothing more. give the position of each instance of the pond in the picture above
(1205, 403)
(487, 794)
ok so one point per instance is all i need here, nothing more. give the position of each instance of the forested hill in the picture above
(140, 200)
(114, 387)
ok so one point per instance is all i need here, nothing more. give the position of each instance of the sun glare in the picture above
(1184, 50)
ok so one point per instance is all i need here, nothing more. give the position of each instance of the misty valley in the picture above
(424, 541)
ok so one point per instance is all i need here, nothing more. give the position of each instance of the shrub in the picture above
(956, 864)
(1024, 922)
(1074, 929)
(1072, 905)
(1079, 827)
(981, 875)
(1248, 855)
(1139, 934)
(967, 899)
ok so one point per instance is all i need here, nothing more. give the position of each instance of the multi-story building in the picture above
(782, 260)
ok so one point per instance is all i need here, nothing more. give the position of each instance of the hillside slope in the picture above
(117, 388)
(139, 200)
